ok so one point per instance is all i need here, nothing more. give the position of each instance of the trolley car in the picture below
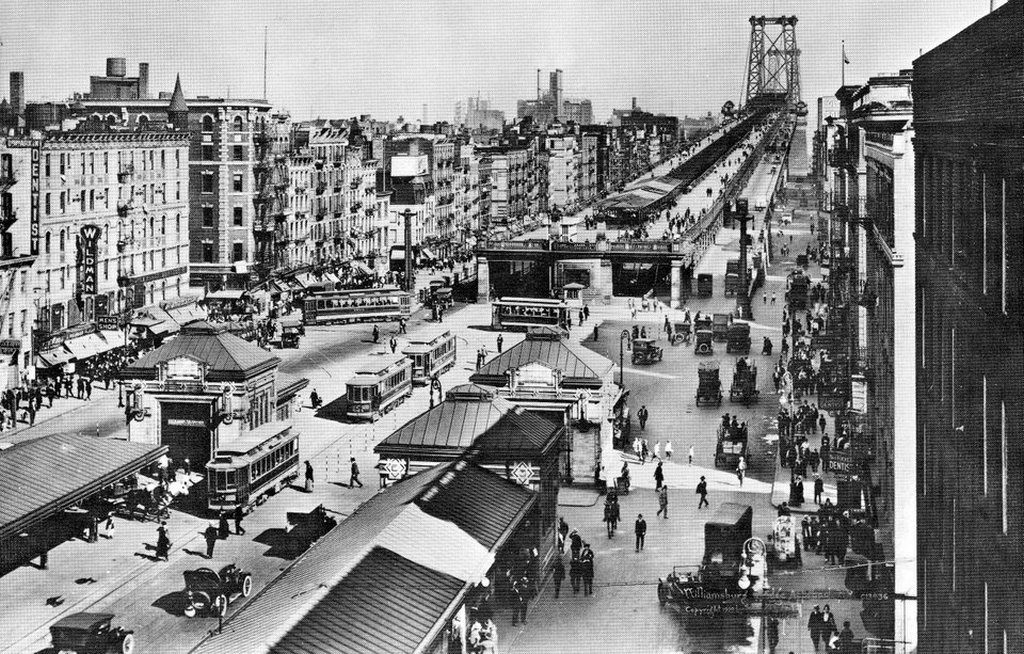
(521, 313)
(357, 305)
(377, 388)
(244, 471)
(431, 355)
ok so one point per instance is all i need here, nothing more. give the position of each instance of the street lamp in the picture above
(435, 385)
(408, 215)
(624, 336)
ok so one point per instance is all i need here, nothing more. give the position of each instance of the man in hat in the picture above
(587, 569)
(814, 626)
(640, 528)
(702, 490)
(354, 477)
(210, 535)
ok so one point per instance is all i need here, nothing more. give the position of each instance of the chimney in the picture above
(143, 81)
(634, 103)
(18, 92)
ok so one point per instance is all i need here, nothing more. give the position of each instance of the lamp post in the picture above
(623, 337)
(435, 385)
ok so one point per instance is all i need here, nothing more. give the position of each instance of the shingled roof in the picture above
(228, 357)
(580, 367)
(472, 416)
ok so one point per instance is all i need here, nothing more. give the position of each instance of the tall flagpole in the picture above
(264, 62)
(843, 74)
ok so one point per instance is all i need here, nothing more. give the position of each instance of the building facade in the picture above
(970, 359)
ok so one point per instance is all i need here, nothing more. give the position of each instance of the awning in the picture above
(187, 313)
(397, 255)
(427, 253)
(41, 477)
(165, 327)
(85, 346)
(226, 294)
(114, 339)
(54, 357)
(330, 278)
(362, 268)
(305, 280)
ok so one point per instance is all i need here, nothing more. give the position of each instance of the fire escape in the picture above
(266, 202)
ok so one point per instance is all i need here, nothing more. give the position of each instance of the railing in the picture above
(641, 246)
(529, 244)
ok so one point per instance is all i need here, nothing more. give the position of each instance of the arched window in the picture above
(239, 124)
(177, 223)
(163, 225)
(106, 235)
(152, 226)
(46, 243)
(62, 240)
(143, 122)
(111, 120)
(207, 123)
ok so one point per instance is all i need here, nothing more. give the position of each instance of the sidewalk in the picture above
(61, 407)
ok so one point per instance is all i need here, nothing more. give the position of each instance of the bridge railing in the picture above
(526, 244)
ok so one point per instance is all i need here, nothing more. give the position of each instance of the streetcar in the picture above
(357, 305)
(522, 313)
(431, 355)
(377, 387)
(247, 469)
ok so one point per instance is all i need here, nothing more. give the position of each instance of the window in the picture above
(62, 240)
(207, 154)
(48, 207)
(83, 163)
(63, 202)
(163, 158)
(238, 153)
(236, 183)
(106, 198)
(237, 252)
(207, 216)
(106, 162)
(92, 163)
(177, 190)
(92, 200)
(237, 219)
(81, 200)
(177, 158)
(239, 124)
(207, 252)
(177, 224)
(207, 183)
(163, 192)
(62, 163)
(152, 160)
(46, 243)
(207, 123)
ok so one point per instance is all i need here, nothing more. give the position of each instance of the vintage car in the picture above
(705, 285)
(744, 383)
(720, 326)
(739, 338)
(680, 333)
(732, 566)
(731, 447)
(210, 592)
(291, 330)
(704, 341)
(91, 633)
(645, 351)
(709, 384)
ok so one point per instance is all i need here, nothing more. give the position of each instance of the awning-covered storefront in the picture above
(41, 477)
(54, 357)
(361, 268)
(226, 294)
(85, 346)
(428, 253)
(114, 339)
(187, 313)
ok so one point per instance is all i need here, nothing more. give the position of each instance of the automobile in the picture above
(704, 341)
(208, 591)
(744, 383)
(739, 338)
(645, 351)
(709, 384)
(91, 633)
(290, 332)
(786, 218)
(720, 326)
(705, 285)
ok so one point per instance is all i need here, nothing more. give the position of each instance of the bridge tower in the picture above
(773, 65)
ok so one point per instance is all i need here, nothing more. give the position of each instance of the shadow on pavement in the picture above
(172, 603)
(335, 411)
(282, 545)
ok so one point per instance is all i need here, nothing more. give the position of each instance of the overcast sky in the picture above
(341, 58)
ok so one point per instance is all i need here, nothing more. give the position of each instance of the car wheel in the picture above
(128, 644)
(222, 605)
(246, 585)
(190, 611)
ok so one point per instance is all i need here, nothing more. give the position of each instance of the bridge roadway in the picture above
(585, 251)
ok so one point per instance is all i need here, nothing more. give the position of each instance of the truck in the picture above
(720, 326)
(705, 285)
(796, 296)
(731, 447)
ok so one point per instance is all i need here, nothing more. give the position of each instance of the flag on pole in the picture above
(846, 59)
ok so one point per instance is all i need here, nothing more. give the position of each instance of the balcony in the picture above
(123, 209)
(7, 179)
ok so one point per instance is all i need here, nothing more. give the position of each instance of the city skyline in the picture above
(331, 62)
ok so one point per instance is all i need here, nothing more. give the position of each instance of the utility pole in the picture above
(264, 62)
(742, 214)
(409, 284)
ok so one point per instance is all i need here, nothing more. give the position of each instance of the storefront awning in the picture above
(114, 339)
(428, 254)
(226, 294)
(187, 313)
(54, 357)
(362, 268)
(41, 477)
(85, 346)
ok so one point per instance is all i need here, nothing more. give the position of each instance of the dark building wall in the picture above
(969, 227)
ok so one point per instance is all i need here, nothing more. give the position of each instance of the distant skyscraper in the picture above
(18, 92)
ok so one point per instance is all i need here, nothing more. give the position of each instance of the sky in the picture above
(340, 58)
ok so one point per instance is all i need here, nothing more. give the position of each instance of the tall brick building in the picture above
(968, 98)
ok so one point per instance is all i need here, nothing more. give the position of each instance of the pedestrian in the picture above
(773, 297)
(814, 626)
(668, 449)
(595, 333)
(238, 515)
(80, 387)
(211, 539)
(163, 543)
(659, 477)
(819, 488)
(702, 490)
(401, 326)
(610, 509)
(162, 464)
(520, 598)
(587, 569)
(382, 475)
(108, 527)
(772, 634)
(691, 455)
(314, 399)
(501, 341)
(822, 422)
(563, 534)
(309, 477)
(31, 413)
(657, 452)
(828, 625)
(741, 469)
(640, 529)
(845, 643)
(354, 475)
(88, 388)
(575, 544)
(663, 502)
(394, 344)
(223, 531)
(643, 450)
(575, 573)
(586, 312)
(581, 317)
(558, 574)
(642, 416)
